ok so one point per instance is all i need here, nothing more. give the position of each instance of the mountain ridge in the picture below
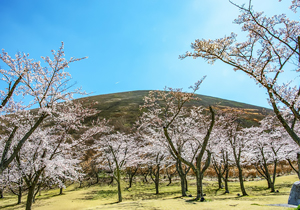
(124, 106)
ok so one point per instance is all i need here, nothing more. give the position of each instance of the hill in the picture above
(123, 108)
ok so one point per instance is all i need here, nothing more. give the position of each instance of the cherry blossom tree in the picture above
(114, 151)
(235, 137)
(50, 152)
(271, 49)
(14, 181)
(43, 87)
(269, 143)
(131, 172)
(222, 157)
(158, 146)
(163, 109)
(156, 155)
(170, 170)
(90, 136)
(220, 163)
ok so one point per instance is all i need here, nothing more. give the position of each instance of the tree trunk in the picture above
(272, 186)
(131, 173)
(183, 186)
(225, 178)
(220, 181)
(119, 191)
(61, 191)
(199, 177)
(1, 193)
(226, 185)
(130, 181)
(157, 180)
(241, 180)
(186, 183)
(97, 177)
(298, 161)
(111, 181)
(170, 180)
(269, 183)
(118, 179)
(295, 169)
(182, 176)
(218, 169)
(30, 196)
(274, 176)
(156, 187)
(20, 195)
(145, 180)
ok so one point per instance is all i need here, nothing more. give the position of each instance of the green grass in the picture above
(142, 196)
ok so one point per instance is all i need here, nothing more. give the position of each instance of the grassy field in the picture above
(142, 196)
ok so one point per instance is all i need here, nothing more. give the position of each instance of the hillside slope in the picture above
(124, 107)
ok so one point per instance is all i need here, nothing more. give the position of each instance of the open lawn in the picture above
(142, 196)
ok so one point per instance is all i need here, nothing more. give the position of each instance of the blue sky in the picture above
(132, 44)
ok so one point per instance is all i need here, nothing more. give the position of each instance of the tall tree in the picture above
(271, 48)
(42, 87)
(164, 108)
(50, 151)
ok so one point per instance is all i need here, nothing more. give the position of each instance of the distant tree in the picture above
(268, 146)
(222, 157)
(154, 154)
(114, 151)
(238, 143)
(131, 171)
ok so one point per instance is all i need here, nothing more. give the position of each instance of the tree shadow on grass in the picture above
(129, 205)
(48, 196)
(99, 194)
(148, 196)
(116, 202)
(12, 205)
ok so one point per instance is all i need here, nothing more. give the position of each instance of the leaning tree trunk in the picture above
(295, 169)
(31, 184)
